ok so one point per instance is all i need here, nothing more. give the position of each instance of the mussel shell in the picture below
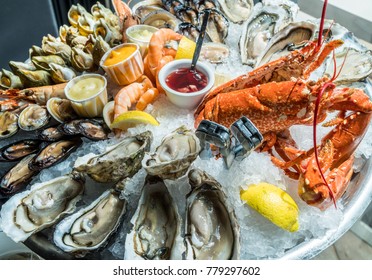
(40, 207)
(50, 134)
(217, 237)
(17, 177)
(217, 26)
(33, 117)
(189, 30)
(90, 228)
(69, 128)
(18, 150)
(186, 14)
(54, 153)
(93, 129)
(8, 124)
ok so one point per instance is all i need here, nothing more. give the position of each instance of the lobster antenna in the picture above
(317, 104)
(321, 27)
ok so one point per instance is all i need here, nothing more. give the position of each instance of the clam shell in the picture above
(33, 117)
(8, 124)
(61, 109)
(40, 207)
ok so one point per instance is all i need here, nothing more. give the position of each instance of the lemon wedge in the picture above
(129, 118)
(186, 48)
(274, 204)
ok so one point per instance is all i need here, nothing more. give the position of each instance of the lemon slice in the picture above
(129, 118)
(274, 204)
(186, 48)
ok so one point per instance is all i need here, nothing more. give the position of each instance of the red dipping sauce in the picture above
(186, 80)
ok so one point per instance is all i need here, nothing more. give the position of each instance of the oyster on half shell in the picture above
(212, 231)
(156, 231)
(91, 227)
(293, 36)
(118, 162)
(175, 154)
(264, 22)
(40, 207)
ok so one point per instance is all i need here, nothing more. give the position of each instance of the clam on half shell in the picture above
(40, 207)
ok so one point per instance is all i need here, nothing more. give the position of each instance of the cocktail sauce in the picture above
(186, 80)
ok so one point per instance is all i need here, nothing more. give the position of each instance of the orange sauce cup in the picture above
(123, 64)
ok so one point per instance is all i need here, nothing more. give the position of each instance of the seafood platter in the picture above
(103, 156)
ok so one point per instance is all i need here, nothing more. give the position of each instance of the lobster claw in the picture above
(238, 144)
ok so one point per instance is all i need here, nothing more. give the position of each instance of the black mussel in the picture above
(186, 14)
(189, 30)
(19, 150)
(169, 5)
(50, 134)
(17, 177)
(93, 129)
(69, 128)
(54, 153)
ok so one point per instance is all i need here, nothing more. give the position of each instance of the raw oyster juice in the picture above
(87, 94)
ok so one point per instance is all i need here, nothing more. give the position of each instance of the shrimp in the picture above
(126, 17)
(142, 91)
(157, 52)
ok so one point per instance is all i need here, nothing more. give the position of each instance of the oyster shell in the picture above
(18, 150)
(33, 117)
(212, 231)
(264, 22)
(17, 177)
(40, 207)
(156, 225)
(90, 228)
(174, 156)
(8, 124)
(293, 36)
(236, 11)
(54, 153)
(119, 161)
(61, 109)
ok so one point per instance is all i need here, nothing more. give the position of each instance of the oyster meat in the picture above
(161, 19)
(175, 154)
(264, 22)
(212, 231)
(90, 228)
(156, 224)
(40, 207)
(236, 11)
(119, 161)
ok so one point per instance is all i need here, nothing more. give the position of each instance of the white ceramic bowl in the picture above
(185, 100)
